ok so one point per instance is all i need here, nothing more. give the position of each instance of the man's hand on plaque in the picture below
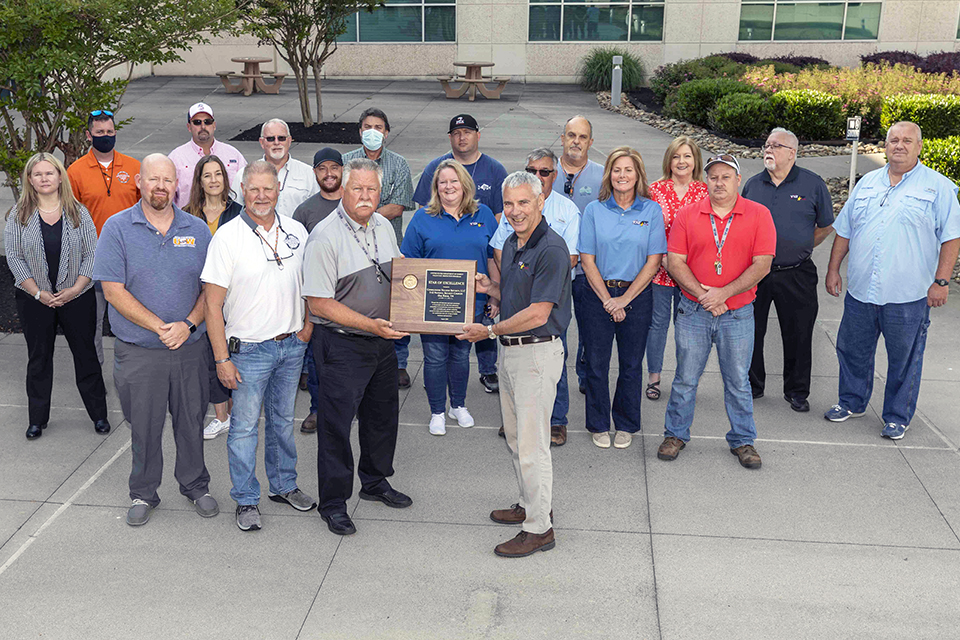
(384, 329)
(485, 284)
(474, 332)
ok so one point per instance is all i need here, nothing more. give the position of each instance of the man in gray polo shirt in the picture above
(535, 307)
(347, 286)
(149, 259)
(802, 211)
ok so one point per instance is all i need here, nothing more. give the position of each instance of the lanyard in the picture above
(718, 265)
(376, 249)
(102, 177)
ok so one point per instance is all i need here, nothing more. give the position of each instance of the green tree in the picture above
(304, 33)
(56, 57)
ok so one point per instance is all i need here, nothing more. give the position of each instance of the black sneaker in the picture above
(490, 382)
(403, 379)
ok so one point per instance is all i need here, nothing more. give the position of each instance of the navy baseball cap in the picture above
(325, 154)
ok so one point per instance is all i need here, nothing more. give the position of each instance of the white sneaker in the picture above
(463, 417)
(438, 424)
(215, 428)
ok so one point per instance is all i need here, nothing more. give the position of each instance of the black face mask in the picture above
(104, 144)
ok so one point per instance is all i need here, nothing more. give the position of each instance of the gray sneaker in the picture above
(296, 499)
(206, 506)
(248, 517)
(139, 513)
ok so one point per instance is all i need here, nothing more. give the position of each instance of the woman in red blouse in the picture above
(682, 184)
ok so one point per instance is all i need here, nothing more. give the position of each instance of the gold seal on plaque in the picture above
(410, 281)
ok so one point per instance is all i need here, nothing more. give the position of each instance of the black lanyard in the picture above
(110, 185)
(718, 265)
(376, 249)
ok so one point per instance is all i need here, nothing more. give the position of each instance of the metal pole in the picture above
(617, 81)
(853, 166)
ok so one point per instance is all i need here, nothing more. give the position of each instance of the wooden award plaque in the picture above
(432, 296)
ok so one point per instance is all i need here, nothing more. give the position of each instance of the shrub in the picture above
(694, 100)
(739, 57)
(937, 115)
(943, 155)
(596, 69)
(946, 62)
(779, 67)
(893, 57)
(742, 115)
(669, 77)
(812, 115)
(802, 61)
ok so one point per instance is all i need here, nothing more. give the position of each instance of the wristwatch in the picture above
(490, 333)
(37, 297)
(941, 282)
(190, 325)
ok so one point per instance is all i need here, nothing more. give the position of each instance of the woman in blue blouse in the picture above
(621, 243)
(453, 226)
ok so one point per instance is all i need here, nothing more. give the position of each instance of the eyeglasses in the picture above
(198, 122)
(101, 112)
(543, 172)
(886, 194)
(776, 145)
(272, 138)
(568, 185)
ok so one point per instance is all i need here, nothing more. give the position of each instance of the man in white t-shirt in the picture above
(252, 278)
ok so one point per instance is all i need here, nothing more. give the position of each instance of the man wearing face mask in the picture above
(103, 181)
(296, 178)
(202, 127)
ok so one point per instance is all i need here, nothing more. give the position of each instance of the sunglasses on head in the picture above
(568, 185)
(101, 112)
(272, 138)
(198, 122)
(543, 172)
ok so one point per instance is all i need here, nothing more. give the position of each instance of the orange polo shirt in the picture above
(104, 190)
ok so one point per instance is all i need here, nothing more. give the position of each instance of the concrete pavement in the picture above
(841, 534)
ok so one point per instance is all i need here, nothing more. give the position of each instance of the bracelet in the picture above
(221, 361)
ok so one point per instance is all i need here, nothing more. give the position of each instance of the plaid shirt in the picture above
(397, 183)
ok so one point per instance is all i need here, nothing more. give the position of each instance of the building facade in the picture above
(543, 40)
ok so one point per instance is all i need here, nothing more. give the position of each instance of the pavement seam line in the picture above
(56, 514)
(653, 560)
(932, 501)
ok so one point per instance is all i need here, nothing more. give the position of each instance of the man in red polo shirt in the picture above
(719, 249)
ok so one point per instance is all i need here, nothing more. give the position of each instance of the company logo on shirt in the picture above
(484, 187)
(232, 161)
(184, 241)
(123, 177)
(476, 224)
(797, 197)
(640, 222)
(523, 265)
(585, 191)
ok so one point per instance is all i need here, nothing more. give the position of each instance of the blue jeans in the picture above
(402, 347)
(270, 372)
(577, 304)
(904, 328)
(696, 332)
(561, 403)
(313, 380)
(486, 350)
(631, 335)
(666, 301)
(446, 364)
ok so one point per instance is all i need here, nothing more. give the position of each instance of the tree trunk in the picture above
(316, 82)
(300, 73)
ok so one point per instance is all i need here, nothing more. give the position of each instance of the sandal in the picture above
(653, 390)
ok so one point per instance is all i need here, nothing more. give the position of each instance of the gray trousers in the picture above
(148, 382)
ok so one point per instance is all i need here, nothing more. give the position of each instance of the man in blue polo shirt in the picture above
(901, 229)
(149, 259)
(488, 175)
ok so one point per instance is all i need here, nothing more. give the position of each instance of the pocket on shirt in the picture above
(915, 209)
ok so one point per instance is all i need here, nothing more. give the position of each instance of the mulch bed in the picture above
(330, 132)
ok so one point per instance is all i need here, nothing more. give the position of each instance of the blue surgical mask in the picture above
(372, 139)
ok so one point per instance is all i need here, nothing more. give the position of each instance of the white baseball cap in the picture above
(724, 158)
(200, 107)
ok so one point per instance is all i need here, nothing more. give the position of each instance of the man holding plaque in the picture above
(346, 283)
(535, 306)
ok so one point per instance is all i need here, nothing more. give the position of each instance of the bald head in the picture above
(159, 159)
(904, 140)
(577, 138)
(157, 182)
(905, 127)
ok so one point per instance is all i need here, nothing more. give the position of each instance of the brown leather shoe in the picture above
(514, 515)
(303, 382)
(501, 433)
(525, 544)
(748, 456)
(558, 435)
(670, 448)
(309, 424)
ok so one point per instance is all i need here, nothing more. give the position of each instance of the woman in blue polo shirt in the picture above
(621, 243)
(453, 226)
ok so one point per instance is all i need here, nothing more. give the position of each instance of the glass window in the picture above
(404, 21)
(765, 20)
(591, 21)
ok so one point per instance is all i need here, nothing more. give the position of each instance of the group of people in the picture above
(233, 283)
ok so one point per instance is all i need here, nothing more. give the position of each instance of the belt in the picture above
(349, 334)
(788, 267)
(282, 336)
(618, 284)
(513, 342)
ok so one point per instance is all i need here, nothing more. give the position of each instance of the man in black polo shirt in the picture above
(535, 304)
(802, 211)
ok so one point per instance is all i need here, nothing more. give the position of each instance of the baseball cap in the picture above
(463, 121)
(325, 154)
(724, 158)
(200, 107)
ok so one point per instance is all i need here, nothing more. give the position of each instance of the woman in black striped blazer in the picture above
(50, 241)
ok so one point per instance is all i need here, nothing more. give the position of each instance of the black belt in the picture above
(513, 342)
(788, 267)
(618, 284)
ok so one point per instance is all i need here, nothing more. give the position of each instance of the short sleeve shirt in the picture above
(662, 192)
(397, 185)
(162, 271)
(104, 191)
(297, 183)
(752, 234)
(537, 272)
(336, 266)
(185, 159)
(487, 174)
(313, 210)
(585, 184)
(895, 233)
(444, 237)
(622, 240)
(799, 205)
(262, 301)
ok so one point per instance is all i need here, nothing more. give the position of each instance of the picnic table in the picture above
(251, 79)
(473, 81)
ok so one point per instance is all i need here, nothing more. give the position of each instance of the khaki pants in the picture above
(528, 387)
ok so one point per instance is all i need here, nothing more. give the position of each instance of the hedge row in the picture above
(946, 62)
